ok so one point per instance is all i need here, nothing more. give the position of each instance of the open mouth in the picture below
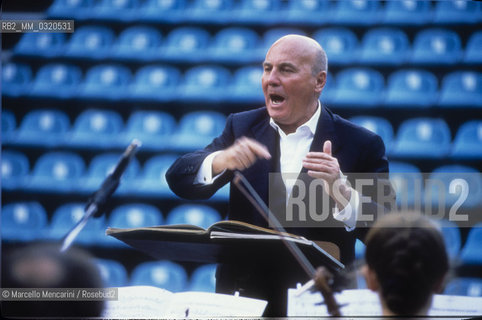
(276, 99)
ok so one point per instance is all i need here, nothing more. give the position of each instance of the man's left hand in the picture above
(322, 165)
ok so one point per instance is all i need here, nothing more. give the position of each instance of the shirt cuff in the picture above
(205, 173)
(349, 214)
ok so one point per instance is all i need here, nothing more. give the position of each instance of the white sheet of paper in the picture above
(147, 302)
(364, 302)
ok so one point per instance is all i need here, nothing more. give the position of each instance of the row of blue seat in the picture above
(158, 131)
(27, 221)
(382, 45)
(66, 173)
(164, 274)
(313, 12)
(351, 87)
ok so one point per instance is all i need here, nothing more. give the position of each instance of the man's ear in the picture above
(320, 81)
(370, 278)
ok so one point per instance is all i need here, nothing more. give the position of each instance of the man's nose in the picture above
(273, 78)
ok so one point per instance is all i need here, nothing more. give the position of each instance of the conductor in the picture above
(293, 134)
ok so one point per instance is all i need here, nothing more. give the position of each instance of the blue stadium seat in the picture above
(187, 44)
(408, 12)
(23, 221)
(436, 46)
(66, 216)
(457, 12)
(152, 180)
(356, 12)
(407, 88)
(235, 45)
(455, 186)
(205, 83)
(452, 237)
(468, 141)
(132, 215)
(384, 46)
(473, 49)
(422, 138)
(313, 12)
(339, 43)
(380, 126)
(155, 82)
(123, 10)
(41, 45)
(163, 274)
(15, 168)
(197, 129)
(9, 126)
(259, 12)
(90, 42)
(102, 165)
(198, 215)
(74, 9)
(163, 11)
(461, 89)
(47, 128)
(359, 88)
(135, 215)
(58, 172)
(97, 129)
(203, 278)
(208, 11)
(407, 181)
(16, 79)
(471, 253)
(471, 287)
(106, 81)
(152, 128)
(113, 273)
(56, 80)
(246, 85)
(139, 43)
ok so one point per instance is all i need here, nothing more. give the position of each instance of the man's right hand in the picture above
(241, 155)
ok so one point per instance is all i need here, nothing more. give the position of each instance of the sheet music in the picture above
(364, 302)
(147, 302)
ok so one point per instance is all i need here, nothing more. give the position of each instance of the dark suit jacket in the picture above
(357, 150)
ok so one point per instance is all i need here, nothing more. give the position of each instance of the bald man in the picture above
(293, 134)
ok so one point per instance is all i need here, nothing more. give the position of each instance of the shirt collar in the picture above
(310, 124)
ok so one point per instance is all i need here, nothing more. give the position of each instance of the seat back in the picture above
(59, 168)
(44, 127)
(468, 140)
(473, 50)
(461, 89)
(16, 79)
(436, 46)
(202, 123)
(164, 274)
(57, 80)
(457, 12)
(472, 252)
(203, 278)
(359, 87)
(339, 43)
(378, 125)
(135, 215)
(198, 215)
(23, 221)
(91, 42)
(113, 273)
(408, 184)
(384, 45)
(452, 237)
(423, 137)
(147, 125)
(356, 12)
(408, 12)
(97, 128)
(471, 287)
(41, 44)
(412, 87)
(139, 41)
(15, 168)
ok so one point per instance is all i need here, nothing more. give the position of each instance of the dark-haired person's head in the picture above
(44, 266)
(406, 263)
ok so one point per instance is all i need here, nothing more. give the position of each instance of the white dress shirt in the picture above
(293, 149)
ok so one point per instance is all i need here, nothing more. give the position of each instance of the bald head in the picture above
(307, 48)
